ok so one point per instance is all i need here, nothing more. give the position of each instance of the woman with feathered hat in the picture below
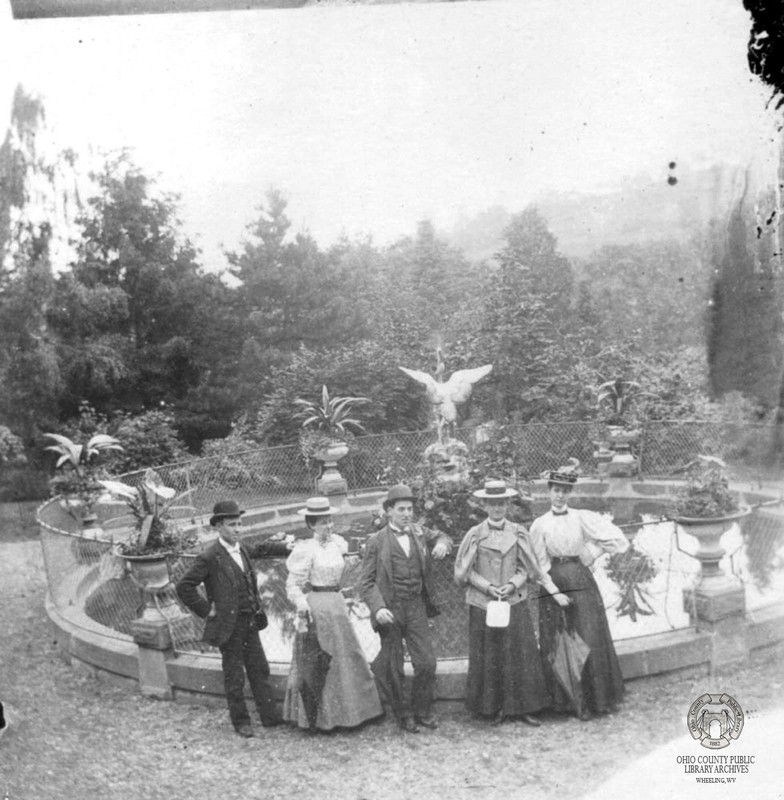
(566, 542)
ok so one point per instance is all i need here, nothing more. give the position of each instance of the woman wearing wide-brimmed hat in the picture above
(566, 542)
(495, 559)
(330, 684)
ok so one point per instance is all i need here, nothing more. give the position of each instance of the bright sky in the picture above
(371, 118)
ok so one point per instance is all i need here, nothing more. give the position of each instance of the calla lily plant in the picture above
(152, 505)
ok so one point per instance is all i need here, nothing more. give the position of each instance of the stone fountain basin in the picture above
(197, 676)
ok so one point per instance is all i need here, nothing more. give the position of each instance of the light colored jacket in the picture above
(493, 558)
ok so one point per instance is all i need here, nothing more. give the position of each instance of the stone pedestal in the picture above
(717, 602)
(603, 456)
(706, 606)
(155, 649)
(331, 482)
(622, 466)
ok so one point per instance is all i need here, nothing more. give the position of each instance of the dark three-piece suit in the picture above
(402, 583)
(232, 595)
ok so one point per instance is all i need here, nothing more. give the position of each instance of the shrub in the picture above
(148, 440)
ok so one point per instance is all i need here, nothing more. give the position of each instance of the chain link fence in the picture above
(642, 589)
(275, 475)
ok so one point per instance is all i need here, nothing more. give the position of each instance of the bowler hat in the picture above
(495, 489)
(399, 492)
(223, 509)
(316, 507)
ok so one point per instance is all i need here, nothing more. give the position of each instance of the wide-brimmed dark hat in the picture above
(223, 509)
(497, 490)
(316, 507)
(564, 476)
(399, 492)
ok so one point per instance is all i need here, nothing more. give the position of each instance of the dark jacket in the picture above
(376, 585)
(214, 568)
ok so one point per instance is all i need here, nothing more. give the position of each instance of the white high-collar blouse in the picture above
(315, 563)
(578, 532)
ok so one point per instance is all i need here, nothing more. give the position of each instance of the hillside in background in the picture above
(642, 210)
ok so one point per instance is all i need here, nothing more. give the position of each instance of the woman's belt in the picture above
(325, 588)
(563, 559)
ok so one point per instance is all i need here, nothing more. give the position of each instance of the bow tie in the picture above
(495, 527)
(559, 513)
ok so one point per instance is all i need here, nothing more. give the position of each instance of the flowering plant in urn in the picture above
(707, 494)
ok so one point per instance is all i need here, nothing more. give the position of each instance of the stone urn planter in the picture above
(620, 440)
(150, 573)
(708, 532)
(715, 594)
(331, 481)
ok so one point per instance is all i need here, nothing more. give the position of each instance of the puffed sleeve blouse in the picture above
(578, 532)
(314, 563)
(493, 558)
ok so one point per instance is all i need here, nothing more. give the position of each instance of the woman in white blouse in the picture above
(566, 542)
(330, 684)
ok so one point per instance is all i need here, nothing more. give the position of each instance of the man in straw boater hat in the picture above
(234, 614)
(566, 542)
(495, 559)
(396, 586)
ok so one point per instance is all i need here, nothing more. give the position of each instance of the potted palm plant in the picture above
(327, 430)
(155, 534)
(615, 400)
(78, 480)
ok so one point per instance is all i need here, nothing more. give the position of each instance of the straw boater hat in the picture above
(316, 507)
(494, 490)
(224, 509)
(564, 476)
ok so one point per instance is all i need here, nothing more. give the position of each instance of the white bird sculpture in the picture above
(446, 395)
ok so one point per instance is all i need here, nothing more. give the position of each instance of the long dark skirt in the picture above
(504, 667)
(602, 681)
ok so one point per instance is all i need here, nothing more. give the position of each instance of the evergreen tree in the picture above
(523, 326)
(292, 294)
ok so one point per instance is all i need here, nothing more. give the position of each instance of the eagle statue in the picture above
(447, 395)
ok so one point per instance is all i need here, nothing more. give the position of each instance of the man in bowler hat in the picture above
(230, 608)
(396, 586)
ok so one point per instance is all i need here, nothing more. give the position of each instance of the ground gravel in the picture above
(75, 736)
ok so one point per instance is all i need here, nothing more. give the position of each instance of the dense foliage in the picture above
(169, 355)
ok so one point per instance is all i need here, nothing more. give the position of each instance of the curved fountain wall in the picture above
(88, 601)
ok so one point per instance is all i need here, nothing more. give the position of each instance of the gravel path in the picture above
(75, 736)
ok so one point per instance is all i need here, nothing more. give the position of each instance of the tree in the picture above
(140, 325)
(292, 294)
(522, 324)
(29, 365)
(639, 291)
(34, 186)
